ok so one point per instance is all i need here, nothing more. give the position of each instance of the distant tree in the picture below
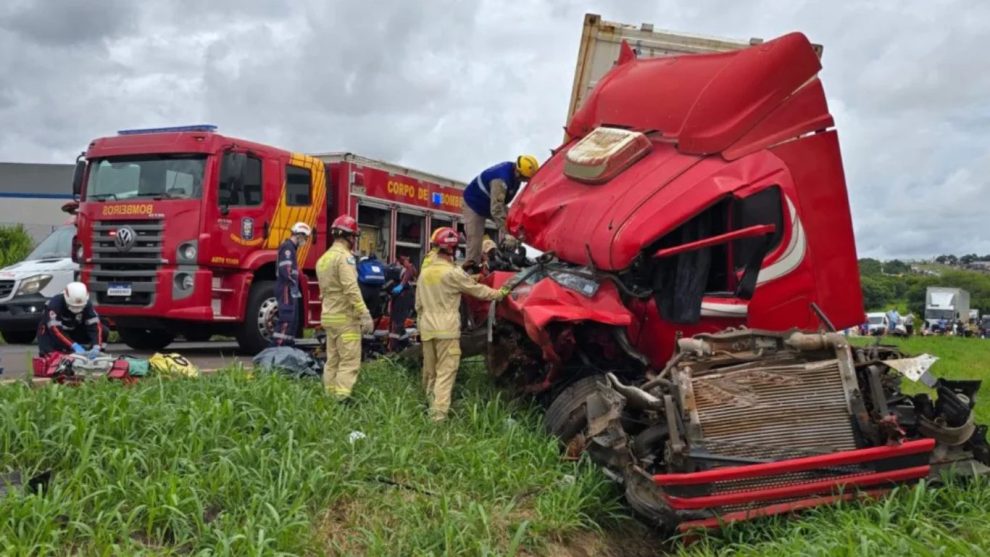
(869, 267)
(947, 259)
(877, 292)
(968, 258)
(896, 267)
(915, 293)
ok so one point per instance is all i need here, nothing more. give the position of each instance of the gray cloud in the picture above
(68, 22)
(450, 87)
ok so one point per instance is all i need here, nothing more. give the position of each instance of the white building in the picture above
(33, 194)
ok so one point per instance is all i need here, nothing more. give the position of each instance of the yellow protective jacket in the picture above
(438, 299)
(428, 260)
(336, 272)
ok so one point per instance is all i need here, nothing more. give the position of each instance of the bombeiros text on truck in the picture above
(178, 227)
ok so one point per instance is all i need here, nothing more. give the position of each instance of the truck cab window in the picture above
(298, 186)
(763, 207)
(240, 180)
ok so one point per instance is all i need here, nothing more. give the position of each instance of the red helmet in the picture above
(446, 238)
(345, 223)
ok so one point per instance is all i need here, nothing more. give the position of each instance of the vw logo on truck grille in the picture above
(124, 240)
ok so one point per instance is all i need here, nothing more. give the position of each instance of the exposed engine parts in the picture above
(751, 423)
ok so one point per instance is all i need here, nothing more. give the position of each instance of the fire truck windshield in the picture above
(144, 176)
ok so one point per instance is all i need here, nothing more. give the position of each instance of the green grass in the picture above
(234, 465)
(238, 465)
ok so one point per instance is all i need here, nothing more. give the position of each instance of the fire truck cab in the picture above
(178, 227)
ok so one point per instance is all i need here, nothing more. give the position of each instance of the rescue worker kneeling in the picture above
(70, 324)
(438, 298)
(345, 316)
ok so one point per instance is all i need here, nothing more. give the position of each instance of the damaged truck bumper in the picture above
(749, 423)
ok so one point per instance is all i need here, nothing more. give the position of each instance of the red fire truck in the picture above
(178, 227)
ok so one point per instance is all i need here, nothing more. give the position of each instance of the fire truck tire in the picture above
(565, 417)
(145, 339)
(19, 337)
(249, 336)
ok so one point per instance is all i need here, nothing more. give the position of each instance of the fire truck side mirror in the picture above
(77, 176)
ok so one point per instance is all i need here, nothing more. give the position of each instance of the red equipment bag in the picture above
(121, 369)
(47, 366)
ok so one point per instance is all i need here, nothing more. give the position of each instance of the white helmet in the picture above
(76, 296)
(301, 228)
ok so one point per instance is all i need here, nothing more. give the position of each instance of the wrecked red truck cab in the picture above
(703, 196)
(707, 146)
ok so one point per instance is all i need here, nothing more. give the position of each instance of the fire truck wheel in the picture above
(565, 417)
(145, 339)
(19, 337)
(259, 319)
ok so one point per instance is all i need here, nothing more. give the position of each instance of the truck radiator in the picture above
(135, 264)
(770, 413)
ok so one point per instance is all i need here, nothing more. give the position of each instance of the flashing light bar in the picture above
(208, 128)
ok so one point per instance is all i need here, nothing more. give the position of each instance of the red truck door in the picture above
(246, 187)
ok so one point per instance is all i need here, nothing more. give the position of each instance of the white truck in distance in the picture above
(949, 304)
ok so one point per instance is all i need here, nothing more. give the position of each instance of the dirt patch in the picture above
(628, 539)
(336, 526)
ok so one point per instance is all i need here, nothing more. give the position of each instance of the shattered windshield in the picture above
(572, 279)
(146, 176)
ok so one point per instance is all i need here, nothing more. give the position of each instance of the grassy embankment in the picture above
(231, 464)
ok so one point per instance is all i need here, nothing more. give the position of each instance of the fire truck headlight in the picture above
(187, 282)
(187, 252)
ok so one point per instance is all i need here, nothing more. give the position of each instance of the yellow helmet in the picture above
(527, 165)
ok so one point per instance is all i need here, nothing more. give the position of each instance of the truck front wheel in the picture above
(259, 319)
(145, 339)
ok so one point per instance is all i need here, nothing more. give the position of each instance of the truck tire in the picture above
(565, 417)
(145, 339)
(19, 337)
(259, 318)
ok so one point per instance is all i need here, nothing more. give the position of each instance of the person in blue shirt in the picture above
(488, 197)
(287, 291)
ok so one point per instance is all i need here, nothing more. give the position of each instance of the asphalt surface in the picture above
(15, 359)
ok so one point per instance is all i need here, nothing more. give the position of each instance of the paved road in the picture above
(15, 359)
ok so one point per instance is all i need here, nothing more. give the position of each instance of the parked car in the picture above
(26, 286)
(876, 323)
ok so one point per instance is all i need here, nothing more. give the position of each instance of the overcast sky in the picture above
(453, 86)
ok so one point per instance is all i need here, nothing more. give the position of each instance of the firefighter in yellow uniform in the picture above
(432, 254)
(438, 298)
(345, 316)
